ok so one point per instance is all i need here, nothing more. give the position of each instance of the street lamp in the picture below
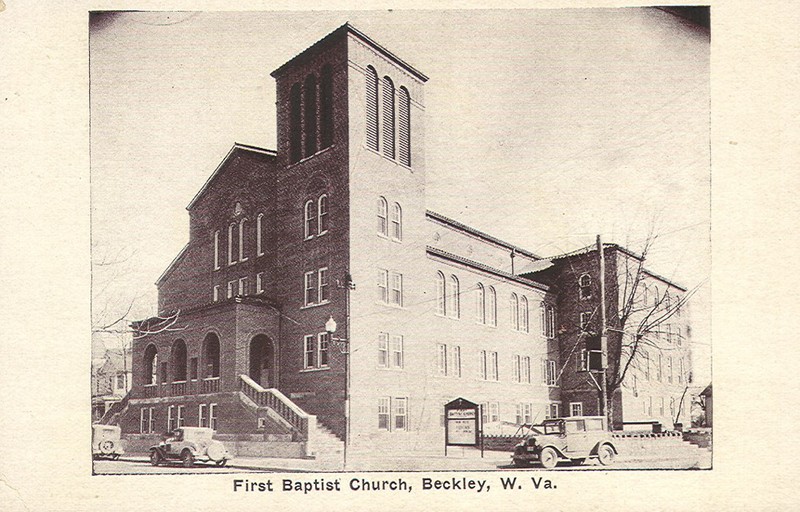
(342, 343)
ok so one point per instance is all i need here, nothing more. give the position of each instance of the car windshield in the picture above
(553, 427)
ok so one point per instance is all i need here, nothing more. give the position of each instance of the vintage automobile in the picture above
(574, 439)
(189, 445)
(106, 441)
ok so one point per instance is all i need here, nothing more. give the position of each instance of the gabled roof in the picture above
(347, 28)
(172, 265)
(593, 248)
(236, 147)
(433, 251)
(479, 234)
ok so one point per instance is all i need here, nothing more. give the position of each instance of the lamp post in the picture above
(343, 344)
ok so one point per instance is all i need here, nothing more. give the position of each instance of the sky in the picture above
(544, 128)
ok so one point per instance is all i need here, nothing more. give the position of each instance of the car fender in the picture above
(160, 450)
(558, 450)
(601, 443)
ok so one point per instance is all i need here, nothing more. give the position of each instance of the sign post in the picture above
(462, 424)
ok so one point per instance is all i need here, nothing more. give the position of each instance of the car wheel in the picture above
(520, 463)
(221, 463)
(548, 458)
(187, 458)
(605, 455)
(107, 446)
(155, 458)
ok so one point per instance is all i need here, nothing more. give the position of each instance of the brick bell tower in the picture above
(351, 210)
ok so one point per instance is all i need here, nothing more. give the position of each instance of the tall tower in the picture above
(350, 188)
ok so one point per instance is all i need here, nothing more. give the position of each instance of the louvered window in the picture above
(295, 129)
(326, 107)
(310, 117)
(388, 117)
(404, 127)
(372, 109)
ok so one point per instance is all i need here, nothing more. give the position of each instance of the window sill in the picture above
(390, 368)
(394, 160)
(312, 370)
(389, 305)
(315, 304)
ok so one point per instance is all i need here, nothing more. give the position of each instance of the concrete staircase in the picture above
(326, 443)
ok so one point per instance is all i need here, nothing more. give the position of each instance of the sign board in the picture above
(462, 423)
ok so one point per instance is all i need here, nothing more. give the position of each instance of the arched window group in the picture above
(388, 118)
(448, 295)
(547, 319)
(237, 241)
(315, 217)
(390, 220)
(311, 119)
(485, 305)
(181, 366)
(520, 314)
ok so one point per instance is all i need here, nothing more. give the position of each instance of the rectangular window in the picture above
(515, 366)
(455, 361)
(551, 372)
(493, 366)
(441, 358)
(494, 411)
(576, 408)
(525, 375)
(260, 282)
(543, 318)
(661, 407)
(678, 334)
(528, 416)
(243, 286)
(397, 289)
(484, 413)
(680, 371)
(322, 280)
(143, 423)
(216, 250)
(482, 365)
(120, 381)
(586, 318)
(216, 293)
(519, 419)
(669, 370)
(383, 286)
(383, 350)
(646, 364)
(202, 416)
(212, 416)
(658, 369)
(322, 348)
(180, 421)
(553, 411)
(551, 321)
(259, 234)
(171, 418)
(397, 351)
(193, 365)
(583, 360)
(242, 256)
(383, 413)
(231, 288)
(309, 286)
(400, 414)
(650, 406)
(309, 350)
(152, 418)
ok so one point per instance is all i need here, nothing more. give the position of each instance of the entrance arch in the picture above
(262, 355)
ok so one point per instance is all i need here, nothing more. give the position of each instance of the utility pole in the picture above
(603, 330)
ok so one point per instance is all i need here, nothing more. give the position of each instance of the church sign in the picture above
(462, 424)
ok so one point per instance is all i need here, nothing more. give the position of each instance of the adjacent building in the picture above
(332, 228)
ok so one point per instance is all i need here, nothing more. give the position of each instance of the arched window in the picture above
(260, 234)
(178, 358)
(656, 300)
(514, 310)
(322, 211)
(216, 250)
(441, 299)
(585, 286)
(453, 306)
(151, 365)
(372, 108)
(523, 314)
(310, 210)
(211, 355)
(404, 127)
(231, 238)
(383, 217)
(326, 107)
(388, 117)
(242, 255)
(543, 318)
(397, 222)
(480, 304)
(295, 125)
(491, 306)
(310, 115)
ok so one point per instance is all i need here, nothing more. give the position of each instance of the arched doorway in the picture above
(211, 356)
(261, 361)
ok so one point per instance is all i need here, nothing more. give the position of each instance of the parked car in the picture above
(106, 441)
(189, 445)
(573, 439)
